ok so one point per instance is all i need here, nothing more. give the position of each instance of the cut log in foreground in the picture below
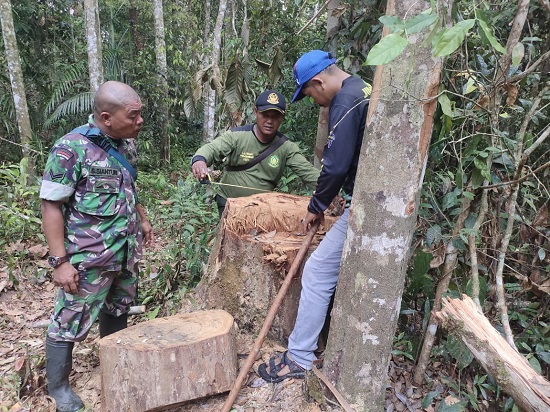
(167, 361)
(511, 371)
(257, 241)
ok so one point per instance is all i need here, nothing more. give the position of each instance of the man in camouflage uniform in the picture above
(94, 227)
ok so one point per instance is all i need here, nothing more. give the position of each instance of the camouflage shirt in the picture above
(102, 225)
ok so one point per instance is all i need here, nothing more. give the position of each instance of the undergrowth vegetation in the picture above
(185, 217)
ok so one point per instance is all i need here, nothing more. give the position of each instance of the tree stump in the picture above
(168, 361)
(257, 241)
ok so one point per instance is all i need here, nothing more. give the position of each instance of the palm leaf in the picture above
(189, 108)
(113, 65)
(81, 103)
(71, 76)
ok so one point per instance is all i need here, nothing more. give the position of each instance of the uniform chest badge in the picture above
(274, 161)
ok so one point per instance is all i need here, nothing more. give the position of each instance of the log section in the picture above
(167, 361)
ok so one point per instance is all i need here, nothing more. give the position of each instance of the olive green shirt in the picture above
(239, 146)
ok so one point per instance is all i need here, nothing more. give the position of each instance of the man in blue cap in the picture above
(317, 76)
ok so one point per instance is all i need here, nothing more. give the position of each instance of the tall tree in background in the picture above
(162, 82)
(93, 39)
(215, 78)
(17, 84)
(383, 216)
(333, 23)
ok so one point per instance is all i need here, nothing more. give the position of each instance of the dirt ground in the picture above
(25, 307)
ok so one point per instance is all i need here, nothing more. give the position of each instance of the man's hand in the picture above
(200, 170)
(148, 235)
(66, 277)
(312, 217)
(146, 227)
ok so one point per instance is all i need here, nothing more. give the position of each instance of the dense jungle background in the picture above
(483, 223)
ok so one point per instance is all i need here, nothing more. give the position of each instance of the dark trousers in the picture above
(220, 201)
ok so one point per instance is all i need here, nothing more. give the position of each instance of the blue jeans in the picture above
(319, 280)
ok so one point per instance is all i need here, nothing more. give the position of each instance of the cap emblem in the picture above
(273, 98)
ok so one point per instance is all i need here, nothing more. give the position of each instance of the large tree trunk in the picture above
(93, 39)
(162, 72)
(257, 242)
(511, 371)
(215, 78)
(382, 219)
(136, 35)
(17, 85)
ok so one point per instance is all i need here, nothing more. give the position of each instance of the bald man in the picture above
(94, 227)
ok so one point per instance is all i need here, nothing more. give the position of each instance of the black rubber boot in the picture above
(59, 363)
(110, 324)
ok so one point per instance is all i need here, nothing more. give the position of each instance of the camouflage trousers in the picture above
(110, 291)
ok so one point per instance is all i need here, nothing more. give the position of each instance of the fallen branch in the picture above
(345, 405)
(511, 371)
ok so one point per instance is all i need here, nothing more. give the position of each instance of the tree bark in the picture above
(162, 82)
(137, 38)
(383, 219)
(17, 85)
(511, 371)
(215, 78)
(333, 24)
(93, 39)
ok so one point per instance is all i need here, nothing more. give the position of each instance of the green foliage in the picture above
(445, 41)
(460, 353)
(183, 215)
(402, 347)
(473, 143)
(81, 103)
(19, 206)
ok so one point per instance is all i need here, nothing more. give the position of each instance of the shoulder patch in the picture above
(63, 153)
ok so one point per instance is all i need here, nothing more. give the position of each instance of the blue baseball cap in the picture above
(307, 66)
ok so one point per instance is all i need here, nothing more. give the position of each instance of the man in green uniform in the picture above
(94, 226)
(254, 156)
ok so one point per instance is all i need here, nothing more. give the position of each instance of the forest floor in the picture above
(26, 305)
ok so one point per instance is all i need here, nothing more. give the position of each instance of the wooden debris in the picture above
(167, 361)
(511, 371)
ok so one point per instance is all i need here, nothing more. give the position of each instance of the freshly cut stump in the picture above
(257, 241)
(168, 361)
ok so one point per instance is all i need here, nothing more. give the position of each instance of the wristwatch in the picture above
(55, 261)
